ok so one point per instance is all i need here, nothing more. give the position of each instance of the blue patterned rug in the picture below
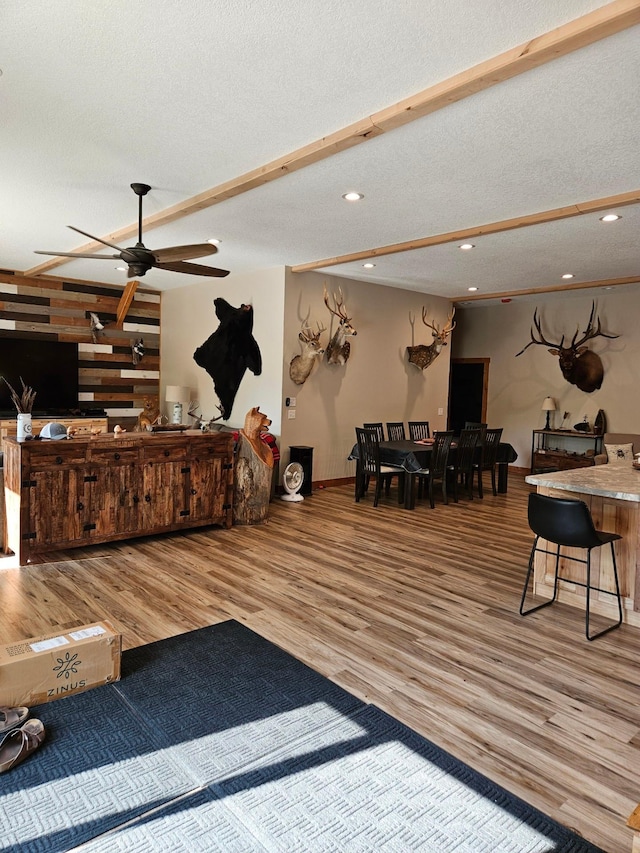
(217, 740)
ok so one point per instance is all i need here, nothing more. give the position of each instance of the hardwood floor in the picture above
(414, 611)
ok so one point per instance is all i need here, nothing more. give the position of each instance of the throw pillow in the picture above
(619, 454)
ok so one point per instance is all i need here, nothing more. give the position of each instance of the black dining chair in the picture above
(419, 430)
(486, 458)
(395, 431)
(378, 428)
(461, 468)
(567, 522)
(438, 463)
(369, 466)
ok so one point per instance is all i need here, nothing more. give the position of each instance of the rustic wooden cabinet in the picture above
(562, 450)
(68, 493)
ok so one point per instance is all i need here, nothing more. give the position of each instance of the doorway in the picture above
(468, 383)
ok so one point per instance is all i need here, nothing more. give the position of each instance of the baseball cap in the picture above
(53, 430)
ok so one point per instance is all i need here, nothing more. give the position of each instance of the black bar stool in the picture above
(568, 522)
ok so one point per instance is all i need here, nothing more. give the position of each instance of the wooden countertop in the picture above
(610, 481)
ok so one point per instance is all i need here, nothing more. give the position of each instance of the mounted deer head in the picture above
(579, 365)
(338, 348)
(301, 365)
(422, 355)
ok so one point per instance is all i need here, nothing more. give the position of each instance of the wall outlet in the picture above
(441, 411)
(291, 414)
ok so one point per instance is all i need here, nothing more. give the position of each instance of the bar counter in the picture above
(612, 493)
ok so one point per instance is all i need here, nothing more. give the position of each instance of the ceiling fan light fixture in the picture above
(610, 217)
(352, 196)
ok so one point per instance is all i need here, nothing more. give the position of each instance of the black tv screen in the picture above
(49, 367)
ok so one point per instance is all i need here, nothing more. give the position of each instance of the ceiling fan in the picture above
(140, 260)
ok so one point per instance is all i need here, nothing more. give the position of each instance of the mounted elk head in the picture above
(579, 365)
(338, 348)
(301, 365)
(422, 355)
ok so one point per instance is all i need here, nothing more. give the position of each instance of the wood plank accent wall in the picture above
(58, 309)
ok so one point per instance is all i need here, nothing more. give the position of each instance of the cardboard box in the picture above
(46, 668)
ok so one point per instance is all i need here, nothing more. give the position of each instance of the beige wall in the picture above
(517, 386)
(188, 319)
(376, 384)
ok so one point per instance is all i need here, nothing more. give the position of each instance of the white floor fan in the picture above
(292, 480)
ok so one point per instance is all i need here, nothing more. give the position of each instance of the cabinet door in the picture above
(57, 507)
(163, 501)
(207, 490)
(115, 488)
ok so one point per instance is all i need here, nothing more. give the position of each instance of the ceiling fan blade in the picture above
(76, 255)
(99, 239)
(182, 253)
(192, 269)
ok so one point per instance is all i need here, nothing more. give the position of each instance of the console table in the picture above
(75, 492)
(550, 449)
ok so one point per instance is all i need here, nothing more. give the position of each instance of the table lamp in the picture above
(548, 406)
(177, 394)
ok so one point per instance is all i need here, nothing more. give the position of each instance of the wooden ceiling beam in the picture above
(554, 215)
(551, 288)
(574, 35)
(125, 301)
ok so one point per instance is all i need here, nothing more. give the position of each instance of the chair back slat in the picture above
(490, 447)
(465, 450)
(419, 430)
(368, 450)
(440, 453)
(395, 431)
(378, 428)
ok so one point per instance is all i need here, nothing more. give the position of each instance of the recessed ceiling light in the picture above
(472, 288)
(352, 196)
(610, 217)
(368, 266)
(214, 241)
(568, 275)
(466, 246)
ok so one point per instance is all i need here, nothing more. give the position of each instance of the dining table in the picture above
(413, 456)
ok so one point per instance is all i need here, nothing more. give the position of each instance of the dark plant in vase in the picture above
(23, 402)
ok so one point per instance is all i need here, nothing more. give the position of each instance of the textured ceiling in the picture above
(187, 96)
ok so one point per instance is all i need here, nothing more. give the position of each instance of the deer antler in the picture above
(449, 326)
(590, 332)
(537, 323)
(308, 335)
(339, 310)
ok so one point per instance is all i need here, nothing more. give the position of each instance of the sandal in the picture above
(20, 743)
(11, 718)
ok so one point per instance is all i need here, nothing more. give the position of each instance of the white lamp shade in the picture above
(177, 394)
(548, 404)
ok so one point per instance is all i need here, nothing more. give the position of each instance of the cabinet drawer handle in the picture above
(194, 491)
(167, 453)
(116, 456)
(147, 498)
(58, 460)
(80, 506)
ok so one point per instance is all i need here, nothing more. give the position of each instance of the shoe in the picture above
(11, 718)
(20, 743)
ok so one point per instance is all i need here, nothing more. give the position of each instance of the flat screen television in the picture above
(49, 367)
